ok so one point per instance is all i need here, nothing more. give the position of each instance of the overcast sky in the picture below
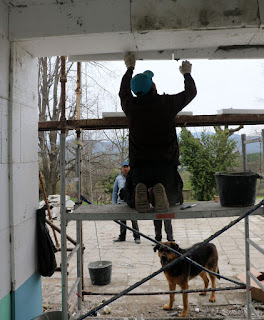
(221, 84)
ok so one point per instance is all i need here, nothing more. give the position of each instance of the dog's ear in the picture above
(156, 247)
(175, 246)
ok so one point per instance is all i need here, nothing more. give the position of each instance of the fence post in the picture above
(244, 153)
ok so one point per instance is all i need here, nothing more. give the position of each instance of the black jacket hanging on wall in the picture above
(46, 249)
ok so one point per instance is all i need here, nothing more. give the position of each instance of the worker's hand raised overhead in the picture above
(130, 60)
(186, 67)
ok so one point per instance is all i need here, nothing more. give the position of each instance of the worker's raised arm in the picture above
(182, 99)
(189, 84)
(125, 93)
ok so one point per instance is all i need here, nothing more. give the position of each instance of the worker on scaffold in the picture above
(153, 146)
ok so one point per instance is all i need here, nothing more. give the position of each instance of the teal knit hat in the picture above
(141, 83)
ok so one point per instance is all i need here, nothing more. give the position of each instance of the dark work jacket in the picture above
(152, 133)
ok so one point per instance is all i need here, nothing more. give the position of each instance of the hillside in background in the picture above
(255, 147)
(106, 146)
(251, 148)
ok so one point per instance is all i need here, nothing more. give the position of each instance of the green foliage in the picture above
(185, 175)
(108, 182)
(254, 162)
(205, 156)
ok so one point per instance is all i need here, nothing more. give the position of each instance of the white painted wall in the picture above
(4, 216)
(23, 191)
(18, 161)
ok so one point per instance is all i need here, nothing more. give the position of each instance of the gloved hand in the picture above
(130, 60)
(186, 67)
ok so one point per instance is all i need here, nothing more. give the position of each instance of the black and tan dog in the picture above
(183, 271)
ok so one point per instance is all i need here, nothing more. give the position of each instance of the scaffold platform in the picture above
(202, 209)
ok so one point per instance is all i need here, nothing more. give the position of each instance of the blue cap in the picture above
(141, 83)
(125, 163)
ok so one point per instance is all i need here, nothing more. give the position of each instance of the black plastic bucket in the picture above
(100, 272)
(236, 189)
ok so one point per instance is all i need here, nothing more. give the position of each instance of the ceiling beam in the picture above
(154, 29)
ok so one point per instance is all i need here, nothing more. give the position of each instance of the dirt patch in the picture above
(140, 308)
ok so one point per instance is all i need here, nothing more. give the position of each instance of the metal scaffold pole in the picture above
(249, 307)
(79, 234)
(64, 279)
(78, 191)
(247, 256)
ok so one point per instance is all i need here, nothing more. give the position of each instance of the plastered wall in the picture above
(23, 190)
(5, 280)
(19, 278)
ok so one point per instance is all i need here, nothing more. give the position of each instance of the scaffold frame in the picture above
(110, 212)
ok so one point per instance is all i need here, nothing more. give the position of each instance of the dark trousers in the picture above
(150, 175)
(158, 229)
(123, 230)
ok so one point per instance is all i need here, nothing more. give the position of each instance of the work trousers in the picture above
(158, 229)
(123, 230)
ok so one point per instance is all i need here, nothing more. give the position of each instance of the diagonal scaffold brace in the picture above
(172, 263)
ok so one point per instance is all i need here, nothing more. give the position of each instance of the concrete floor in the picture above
(132, 262)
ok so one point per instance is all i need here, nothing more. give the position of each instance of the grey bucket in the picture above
(236, 189)
(50, 315)
(100, 272)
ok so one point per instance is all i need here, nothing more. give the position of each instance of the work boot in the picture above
(141, 198)
(160, 198)
(119, 239)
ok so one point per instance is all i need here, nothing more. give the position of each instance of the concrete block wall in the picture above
(5, 266)
(23, 184)
(20, 283)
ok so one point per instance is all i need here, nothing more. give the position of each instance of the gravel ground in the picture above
(132, 262)
(138, 308)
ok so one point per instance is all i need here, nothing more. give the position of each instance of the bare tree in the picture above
(229, 132)
(95, 163)
(49, 109)
(119, 142)
(49, 104)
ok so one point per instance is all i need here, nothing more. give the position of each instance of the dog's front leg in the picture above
(184, 301)
(169, 306)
